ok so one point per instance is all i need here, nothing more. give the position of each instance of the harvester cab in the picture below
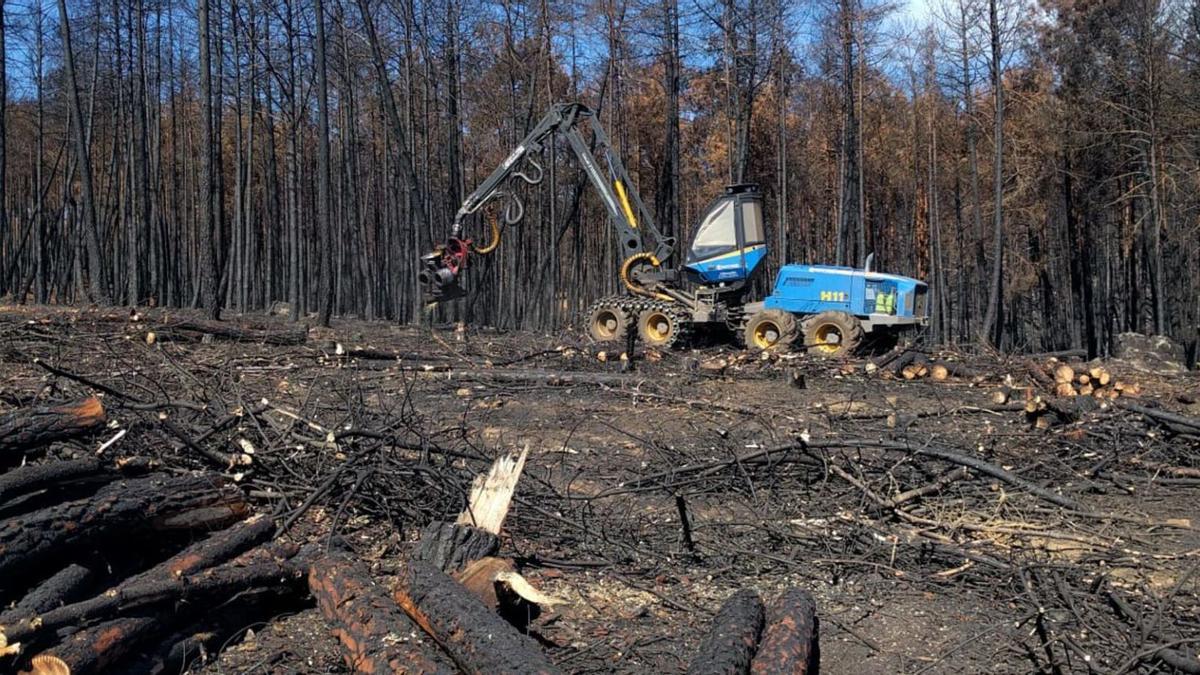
(730, 241)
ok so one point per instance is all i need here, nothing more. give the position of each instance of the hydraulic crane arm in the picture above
(639, 237)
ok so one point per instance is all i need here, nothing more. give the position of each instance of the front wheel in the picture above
(770, 329)
(832, 334)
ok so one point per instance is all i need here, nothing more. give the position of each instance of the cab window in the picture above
(752, 222)
(717, 234)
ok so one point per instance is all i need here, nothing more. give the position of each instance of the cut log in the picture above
(1063, 389)
(731, 642)
(45, 664)
(1064, 373)
(375, 634)
(939, 372)
(127, 508)
(789, 645)
(196, 329)
(63, 587)
(475, 638)
(32, 428)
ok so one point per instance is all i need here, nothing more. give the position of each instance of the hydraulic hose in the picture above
(628, 281)
(491, 246)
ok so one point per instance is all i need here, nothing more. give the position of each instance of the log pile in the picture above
(143, 542)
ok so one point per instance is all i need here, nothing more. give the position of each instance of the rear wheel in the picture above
(658, 328)
(832, 334)
(770, 329)
(608, 323)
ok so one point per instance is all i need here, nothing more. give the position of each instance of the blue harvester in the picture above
(831, 309)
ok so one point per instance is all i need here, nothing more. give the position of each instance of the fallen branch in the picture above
(549, 378)
(1192, 423)
(196, 329)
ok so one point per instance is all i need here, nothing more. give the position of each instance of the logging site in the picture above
(500, 337)
(181, 495)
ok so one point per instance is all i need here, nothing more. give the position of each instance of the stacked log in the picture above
(92, 619)
(1095, 381)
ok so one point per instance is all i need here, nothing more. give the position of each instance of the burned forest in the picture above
(580, 336)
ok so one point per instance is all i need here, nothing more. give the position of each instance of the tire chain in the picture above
(633, 305)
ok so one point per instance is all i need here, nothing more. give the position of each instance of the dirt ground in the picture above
(779, 486)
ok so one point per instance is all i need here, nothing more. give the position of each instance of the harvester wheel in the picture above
(770, 329)
(832, 334)
(607, 323)
(658, 328)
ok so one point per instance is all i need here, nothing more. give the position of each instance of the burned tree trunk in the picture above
(33, 428)
(126, 507)
(790, 642)
(477, 639)
(731, 642)
(37, 476)
(376, 635)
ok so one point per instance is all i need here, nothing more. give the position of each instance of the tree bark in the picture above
(789, 644)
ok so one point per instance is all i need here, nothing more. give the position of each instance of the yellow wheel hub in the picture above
(766, 334)
(606, 323)
(658, 327)
(828, 338)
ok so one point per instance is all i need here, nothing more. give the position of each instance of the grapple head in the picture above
(440, 270)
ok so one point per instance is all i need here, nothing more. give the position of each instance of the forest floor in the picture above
(651, 495)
